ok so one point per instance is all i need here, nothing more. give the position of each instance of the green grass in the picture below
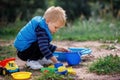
(108, 47)
(107, 65)
(54, 76)
(9, 31)
(107, 30)
(7, 52)
(90, 30)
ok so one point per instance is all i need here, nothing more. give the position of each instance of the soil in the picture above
(82, 68)
(97, 51)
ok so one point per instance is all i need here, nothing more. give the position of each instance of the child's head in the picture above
(54, 14)
(55, 18)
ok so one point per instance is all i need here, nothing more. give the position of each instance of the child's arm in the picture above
(53, 59)
(61, 49)
(44, 44)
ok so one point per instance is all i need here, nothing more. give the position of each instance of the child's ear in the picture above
(47, 20)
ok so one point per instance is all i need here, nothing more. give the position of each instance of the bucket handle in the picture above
(79, 53)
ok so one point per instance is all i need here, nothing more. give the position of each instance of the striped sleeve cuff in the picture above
(49, 56)
(52, 48)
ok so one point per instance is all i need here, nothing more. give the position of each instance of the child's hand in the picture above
(62, 49)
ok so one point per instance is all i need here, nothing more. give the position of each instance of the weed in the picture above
(108, 47)
(78, 31)
(107, 65)
(89, 30)
(7, 51)
(54, 76)
(9, 31)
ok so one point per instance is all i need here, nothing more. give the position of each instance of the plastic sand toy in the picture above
(60, 70)
(73, 58)
(81, 51)
(48, 69)
(8, 66)
(64, 70)
(71, 71)
(21, 75)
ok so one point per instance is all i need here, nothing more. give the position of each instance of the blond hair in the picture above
(55, 14)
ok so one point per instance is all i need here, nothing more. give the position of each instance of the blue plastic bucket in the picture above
(73, 58)
(60, 56)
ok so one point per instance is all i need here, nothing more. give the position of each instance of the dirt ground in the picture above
(82, 69)
(97, 51)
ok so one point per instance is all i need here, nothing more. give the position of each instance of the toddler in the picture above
(33, 40)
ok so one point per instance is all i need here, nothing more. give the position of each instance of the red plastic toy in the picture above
(8, 66)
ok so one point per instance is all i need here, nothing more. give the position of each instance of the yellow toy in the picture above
(9, 66)
(63, 68)
(21, 75)
(71, 71)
